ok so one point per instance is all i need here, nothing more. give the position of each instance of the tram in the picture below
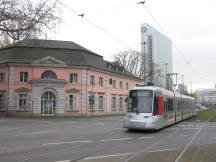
(150, 107)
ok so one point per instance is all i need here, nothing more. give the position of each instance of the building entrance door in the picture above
(48, 103)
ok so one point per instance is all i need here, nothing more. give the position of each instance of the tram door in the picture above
(48, 103)
(165, 109)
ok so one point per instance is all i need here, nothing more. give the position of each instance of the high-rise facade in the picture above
(156, 50)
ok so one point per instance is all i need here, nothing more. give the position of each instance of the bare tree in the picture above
(132, 62)
(20, 19)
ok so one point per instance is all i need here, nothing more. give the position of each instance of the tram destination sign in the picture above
(141, 93)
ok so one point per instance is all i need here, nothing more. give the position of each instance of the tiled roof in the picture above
(72, 54)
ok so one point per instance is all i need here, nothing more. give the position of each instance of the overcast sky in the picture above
(190, 24)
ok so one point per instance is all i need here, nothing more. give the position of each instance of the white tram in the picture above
(152, 107)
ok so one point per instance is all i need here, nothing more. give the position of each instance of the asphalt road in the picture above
(103, 139)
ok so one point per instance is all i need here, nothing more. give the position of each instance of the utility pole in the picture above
(191, 87)
(166, 64)
(182, 84)
(174, 84)
(182, 76)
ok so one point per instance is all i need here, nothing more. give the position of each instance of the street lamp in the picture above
(166, 64)
(182, 84)
(174, 84)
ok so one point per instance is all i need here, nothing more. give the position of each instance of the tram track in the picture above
(182, 152)
(150, 146)
(193, 138)
(107, 148)
(68, 148)
(85, 144)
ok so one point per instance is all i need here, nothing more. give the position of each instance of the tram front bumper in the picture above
(134, 124)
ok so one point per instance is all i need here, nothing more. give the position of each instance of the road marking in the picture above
(39, 132)
(184, 135)
(64, 161)
(7, 129)
(190, 125)
(2, 149)
(199, 125)
(193, 138)
(146, 137)
(99, 157)
(99, 124)
(117, 139)
(64, 142)
(150, 146)
(182, 125)
(190, 128)
(48, 153)
(163, 150)
(39, 121)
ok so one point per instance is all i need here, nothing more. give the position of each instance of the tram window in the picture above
(165, 106)
(140, 101)
(170, 104)
(155, 110)
(176, 105)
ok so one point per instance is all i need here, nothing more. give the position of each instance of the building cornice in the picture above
(77, 67)
(48, 81)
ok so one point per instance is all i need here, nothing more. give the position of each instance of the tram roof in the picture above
(153, 88)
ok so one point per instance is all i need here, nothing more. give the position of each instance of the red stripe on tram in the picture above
(160, 105)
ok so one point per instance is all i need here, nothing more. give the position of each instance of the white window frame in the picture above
(127, 85)
(75, 105)
(2, 102)
(101, 81)
(100, 103)
(73, 78)
(2, 77)
(121, 105)
(114, 83)
(92, 80)
(114, 104)
(18, 102)
(121, 85)
(23, 78)
(49, 75)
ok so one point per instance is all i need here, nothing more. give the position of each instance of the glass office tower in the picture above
(156, 48)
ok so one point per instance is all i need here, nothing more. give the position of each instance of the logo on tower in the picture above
(143, 29)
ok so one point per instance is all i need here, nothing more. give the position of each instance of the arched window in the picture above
(49, 75)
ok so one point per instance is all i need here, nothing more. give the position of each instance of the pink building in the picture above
(46, 77)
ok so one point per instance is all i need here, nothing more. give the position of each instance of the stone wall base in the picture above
(19, 113)
(75, 114)
(3, 113)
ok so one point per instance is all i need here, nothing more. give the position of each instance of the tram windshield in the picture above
(140, 101)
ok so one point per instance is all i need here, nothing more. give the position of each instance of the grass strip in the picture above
(203, 115)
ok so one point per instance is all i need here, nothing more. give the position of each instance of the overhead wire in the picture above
(174, 45)
(125, 44)
(97, 26)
